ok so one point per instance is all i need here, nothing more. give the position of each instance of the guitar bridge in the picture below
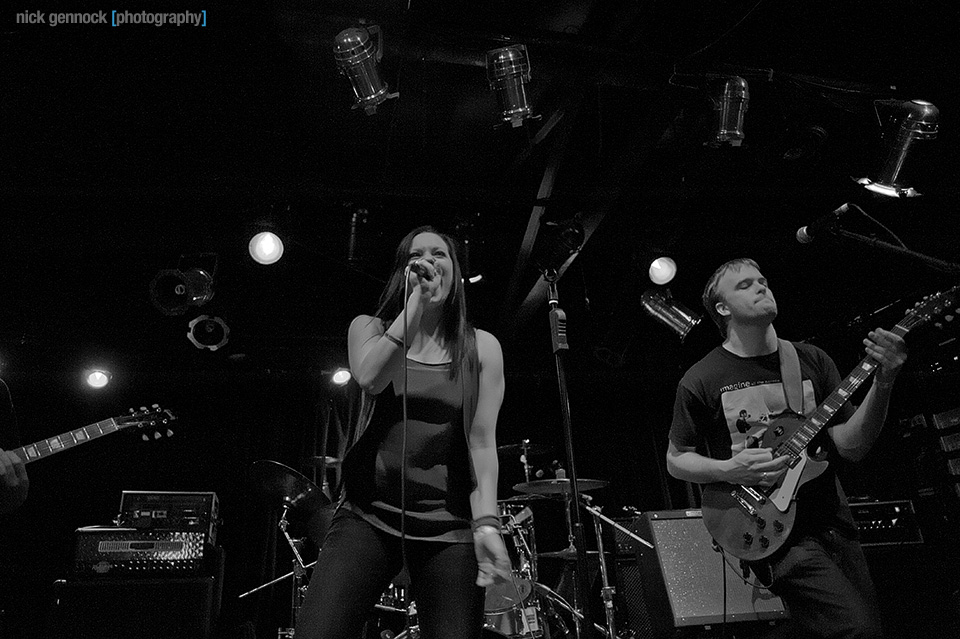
(750, 510)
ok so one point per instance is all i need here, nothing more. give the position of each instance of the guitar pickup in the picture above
(756, 495)
(743, 503)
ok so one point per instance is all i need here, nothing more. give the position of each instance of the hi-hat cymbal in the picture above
(522, 498)
(523, 448)
(283, 486)
(327, 461)
(558, 486)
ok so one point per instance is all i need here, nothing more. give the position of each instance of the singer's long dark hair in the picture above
(458, 336)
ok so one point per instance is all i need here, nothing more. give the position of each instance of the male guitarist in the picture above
(13, 474)
(819, 571)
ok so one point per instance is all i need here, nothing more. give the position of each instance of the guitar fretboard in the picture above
(795, 445)
(47, 447)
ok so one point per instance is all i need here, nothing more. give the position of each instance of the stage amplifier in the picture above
(886, 523)
(170, 511)
(132, 552)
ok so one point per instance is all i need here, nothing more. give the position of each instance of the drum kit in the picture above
(520, 607)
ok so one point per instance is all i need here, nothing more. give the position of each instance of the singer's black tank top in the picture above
(438, 473)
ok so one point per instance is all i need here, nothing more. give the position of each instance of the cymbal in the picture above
(521, 498)
(329, 462)
(558, 486)
(568, 553)
(282, 485)
(518, 449)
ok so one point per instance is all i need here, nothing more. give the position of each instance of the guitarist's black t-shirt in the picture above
(723, 396)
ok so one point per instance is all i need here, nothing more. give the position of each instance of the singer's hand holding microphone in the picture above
(423, 275)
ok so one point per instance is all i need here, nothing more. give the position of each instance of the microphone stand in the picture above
(558, 335)
(932, 262)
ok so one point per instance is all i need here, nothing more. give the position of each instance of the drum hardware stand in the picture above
(607, 591)
(299, 572)
(558, 334)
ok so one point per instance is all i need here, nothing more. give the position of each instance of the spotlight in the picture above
(96, 377)
(730, 103)
(508, 70)
(920, 122)
(340, 376)
(206, 332)
(662, 270)
(265, 248)
(357, 58)
(674, 315)
(173, 291)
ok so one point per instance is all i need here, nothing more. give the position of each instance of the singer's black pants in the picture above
(355, 567)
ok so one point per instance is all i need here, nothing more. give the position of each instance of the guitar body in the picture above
(753, 522)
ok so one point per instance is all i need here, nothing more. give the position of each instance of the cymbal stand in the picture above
(525, 458)
(607, 591)
(299, 572)
(556, 598)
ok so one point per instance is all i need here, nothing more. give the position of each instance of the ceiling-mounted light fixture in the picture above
(265, 247)
(730, 97)
(662, 270)
(920, 121)
(660, 305)
(173, 291)
(357, 57)
(206, 332)
(558, 243)
(508, 70)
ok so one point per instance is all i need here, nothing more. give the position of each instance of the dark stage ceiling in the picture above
(126, 148)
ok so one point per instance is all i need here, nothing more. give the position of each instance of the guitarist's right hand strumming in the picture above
(752, 465)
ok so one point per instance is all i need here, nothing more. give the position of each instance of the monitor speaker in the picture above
(683, 582)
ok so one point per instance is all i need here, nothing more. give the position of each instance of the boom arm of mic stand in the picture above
(932, 262)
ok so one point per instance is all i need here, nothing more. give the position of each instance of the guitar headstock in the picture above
(153, 418)
(940, 308)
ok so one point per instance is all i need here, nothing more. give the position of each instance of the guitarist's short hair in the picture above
(711, 295)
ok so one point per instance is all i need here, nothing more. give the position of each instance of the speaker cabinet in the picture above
(165, 608)
(686, 583)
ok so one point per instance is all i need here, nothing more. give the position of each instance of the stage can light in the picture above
(730, 103)
(662, 270)
(921, 121)
(508, 71)
(660, 305)
(266, 248)
(206, 332)
(96, 377)
(357, 57)
(340, 376)
(173, 291)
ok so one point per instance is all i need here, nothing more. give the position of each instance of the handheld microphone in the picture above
(824, 223)
(420, 269)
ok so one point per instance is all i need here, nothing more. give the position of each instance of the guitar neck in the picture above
(825, 412)
(63, 441)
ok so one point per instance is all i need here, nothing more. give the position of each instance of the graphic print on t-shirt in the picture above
(750, 404)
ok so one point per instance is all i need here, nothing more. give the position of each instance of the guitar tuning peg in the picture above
(157, 435)
(169, 433)
(145, 437)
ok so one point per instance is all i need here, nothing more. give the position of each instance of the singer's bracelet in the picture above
(486, 521)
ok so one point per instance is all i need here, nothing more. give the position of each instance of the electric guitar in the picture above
(753, 522)
(153, 417)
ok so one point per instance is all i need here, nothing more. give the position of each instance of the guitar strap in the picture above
(790, 374)
(793, 394)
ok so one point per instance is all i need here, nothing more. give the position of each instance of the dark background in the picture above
(125, 149)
